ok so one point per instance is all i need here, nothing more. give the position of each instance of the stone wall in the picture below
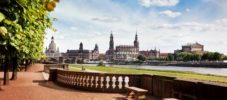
(57, 66)
(158, 86)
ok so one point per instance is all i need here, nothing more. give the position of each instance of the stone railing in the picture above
(158, 86)
(101, 82)
(57, 66)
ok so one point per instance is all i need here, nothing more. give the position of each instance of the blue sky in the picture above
(164, 24)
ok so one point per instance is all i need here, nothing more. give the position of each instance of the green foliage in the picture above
(25, 22)
(224, 58)
(170, 57)
(212, 56)
(141, 58)
(209, 56)
(185, 56)
(101, 63)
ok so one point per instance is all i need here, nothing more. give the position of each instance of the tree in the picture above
(224, 57)
(196, 57)
(170, 57)
(101, 63)
(22, 26)
(205, 56)
(141, 58)
(217, 56)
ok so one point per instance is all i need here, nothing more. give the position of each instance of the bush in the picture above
(101, 63)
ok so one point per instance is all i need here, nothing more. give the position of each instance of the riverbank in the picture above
(172, 73)
(204, 64)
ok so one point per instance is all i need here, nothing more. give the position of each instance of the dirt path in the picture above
(32, 86)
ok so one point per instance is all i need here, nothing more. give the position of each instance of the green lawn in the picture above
(178, 74)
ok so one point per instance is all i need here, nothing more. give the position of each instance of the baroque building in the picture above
(81, 55)
(192, 48)
(122, 52)
(52, 51)
(151, 54)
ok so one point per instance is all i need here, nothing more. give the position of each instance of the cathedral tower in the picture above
(81, 46)
(111, 46)
(96, 47)
(136, 42)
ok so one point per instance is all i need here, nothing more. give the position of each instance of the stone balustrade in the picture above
(58, 66)
(101, 82)
(158, 86)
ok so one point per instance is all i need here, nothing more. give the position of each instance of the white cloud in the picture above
(107, 19)
(170, 13)
(80, 21)
(187, 10)
(149, 3)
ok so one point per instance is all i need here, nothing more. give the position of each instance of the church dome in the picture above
(52, 45)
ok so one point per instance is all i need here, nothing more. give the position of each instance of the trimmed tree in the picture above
(22, 28)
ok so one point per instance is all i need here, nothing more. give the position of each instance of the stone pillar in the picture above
(53, 74)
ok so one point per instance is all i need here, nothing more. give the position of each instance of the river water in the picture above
(202, 70)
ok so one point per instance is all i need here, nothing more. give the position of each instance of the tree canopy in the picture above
(22, 26)
(22, 29)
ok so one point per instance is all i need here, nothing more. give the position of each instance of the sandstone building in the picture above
(192, 48)
(122, 52)
(81, 55)
(52, 52)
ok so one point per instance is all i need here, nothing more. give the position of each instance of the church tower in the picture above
(81, 46)
(136, 42)
(52, 46)
(96, 47)
(111, 46)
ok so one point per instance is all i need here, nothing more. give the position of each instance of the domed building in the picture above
(52, 46)
(52, 52)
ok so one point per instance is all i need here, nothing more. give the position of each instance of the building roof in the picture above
(193, 44)
(77, 51)
(125, 46)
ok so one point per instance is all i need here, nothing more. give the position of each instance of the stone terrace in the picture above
(31, 85)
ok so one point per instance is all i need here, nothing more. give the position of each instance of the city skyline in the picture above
(167, 24)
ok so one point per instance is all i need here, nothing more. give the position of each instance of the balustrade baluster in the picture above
(85, 81)
(110, 82)
(99, 82)
(74, 78)
(77, 79)
(104, 82)
(81, 80)
(94, 82)
(123, 82)
(117, 82)
(88, 81)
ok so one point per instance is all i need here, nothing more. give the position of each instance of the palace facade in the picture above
(122, 52)
(151, 54)
(192, 48)
(81, 55)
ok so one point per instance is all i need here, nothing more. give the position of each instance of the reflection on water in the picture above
(214, 71)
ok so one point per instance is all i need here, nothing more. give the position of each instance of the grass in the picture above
(170, 73)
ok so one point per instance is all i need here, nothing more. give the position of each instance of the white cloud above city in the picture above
(164, 24)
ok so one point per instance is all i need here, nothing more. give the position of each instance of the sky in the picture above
(161, 24)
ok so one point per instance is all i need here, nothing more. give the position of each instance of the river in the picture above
(202, 70)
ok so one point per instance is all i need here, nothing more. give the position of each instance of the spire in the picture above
(111, 43)
(136, 42)
(81, 46)
(96, 47)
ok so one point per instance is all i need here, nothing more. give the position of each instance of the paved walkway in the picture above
(31, 85)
